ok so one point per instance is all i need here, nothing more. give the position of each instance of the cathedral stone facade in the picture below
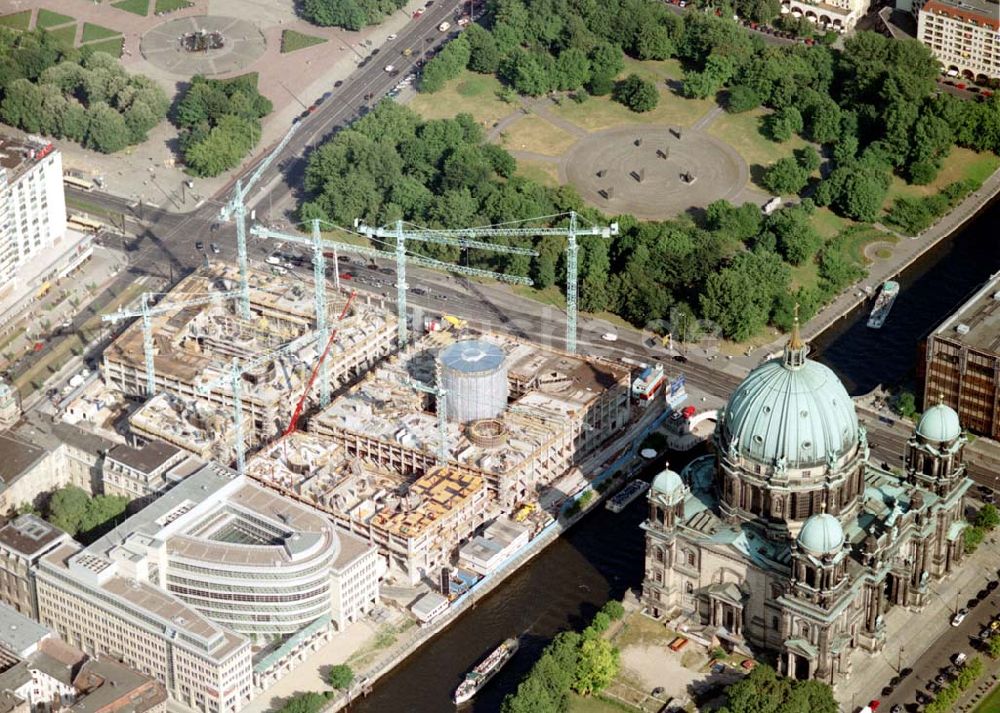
(789, 540)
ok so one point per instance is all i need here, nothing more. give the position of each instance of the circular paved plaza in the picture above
(653, 172)
(243, 45)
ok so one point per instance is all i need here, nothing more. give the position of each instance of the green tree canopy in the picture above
(341, 676)
(636, 93)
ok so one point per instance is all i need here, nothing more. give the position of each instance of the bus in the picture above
(79, 183)
(82, 222)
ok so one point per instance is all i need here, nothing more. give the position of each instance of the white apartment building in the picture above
(32, 202)
(964, 35)
(836, 15)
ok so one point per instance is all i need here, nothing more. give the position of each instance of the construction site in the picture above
(201, 344)
(457, 429)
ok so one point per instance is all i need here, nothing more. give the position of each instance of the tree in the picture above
(741, 296)
(742, 98)
(987, 518)
(598, 665)
(993, 646)
(341, 676)
(764, 691)
(605, 64)
(973, 537)
(653, 42)
(784, 123)
(67, 508)
(304, 703)
(785, 176)
(637, 94)
(614, 609)
(484, 55)
(906, 405)
(573, 69)
(807, 158)
(796, 240)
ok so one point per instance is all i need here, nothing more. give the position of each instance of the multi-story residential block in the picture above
(964, 35)
(23, 542)
(962, 362)
(836, 15)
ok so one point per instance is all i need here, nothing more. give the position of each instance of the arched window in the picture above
(691, 558)
(688, 588)
(658, 554)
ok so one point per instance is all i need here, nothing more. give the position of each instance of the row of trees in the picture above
(349, 14)
(75, 512)
(80, 95)
(914, 215)
(985, 522)
(585, 663)
(220, 122)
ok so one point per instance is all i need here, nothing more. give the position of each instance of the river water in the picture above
(602, 556)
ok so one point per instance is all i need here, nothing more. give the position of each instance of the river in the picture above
(602, 556)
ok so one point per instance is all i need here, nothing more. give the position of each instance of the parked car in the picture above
(959, 617)
(215, 248)
(199, 245)
(609, 337)
(391, 37)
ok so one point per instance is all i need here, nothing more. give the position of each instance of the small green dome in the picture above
(939, 424)
(798, 413)
(821, 534)
(668, 483)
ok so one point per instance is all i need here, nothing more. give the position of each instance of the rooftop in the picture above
(980, 12)
(146, 459)
(976, 324)
(17, 457)
(29, 535)
(19, 155)
(18, 633)
(432, 497)
(107, 686)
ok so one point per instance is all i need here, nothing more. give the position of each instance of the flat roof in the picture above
(107, 685)
(976, 324)
(29, 535)
(18, 633)
(437, 493)
(18, 155)
(146, 459)
(980, 12)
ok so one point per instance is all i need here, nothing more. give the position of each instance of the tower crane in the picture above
(237, 208)
(428, 236)
(440, 404)
(233, 376)
(400, 256)
(147, 312)
(461, 235)
(294, 421)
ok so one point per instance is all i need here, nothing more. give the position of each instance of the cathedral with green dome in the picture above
(788, 542)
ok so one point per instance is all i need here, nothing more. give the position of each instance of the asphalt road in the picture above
(938, 657)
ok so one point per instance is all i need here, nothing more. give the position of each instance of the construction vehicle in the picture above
(455, 322)
(525, 512)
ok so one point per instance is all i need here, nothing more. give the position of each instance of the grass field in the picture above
(828, 223)
(136, 7)
(657, 71)
(17, 20)
(590, 704)
(597, 113)
(91, 33)
(171, 5)
(292, 41)
(538, 171)
(469, 93)
(47, 19)
(960, 165)
(112, 47)
(533, 133)
(742, 132)
(65, 35)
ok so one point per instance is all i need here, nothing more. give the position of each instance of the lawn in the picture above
(960, 165)
(656, 71)
(136, 7)
(828, 224)
(742, 132)
(590, 704)
(539, 171)
(804, 275)
(65, 35)
(92, 33)
(292, 41)
(17, 20)
(171, 5)
(535, 134)
(598, 113)
(851, 244)
(469, 93)
(551, 295)
(47, 19)
(112, 47)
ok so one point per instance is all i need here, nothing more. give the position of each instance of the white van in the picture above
(273, 260)
(444, 26)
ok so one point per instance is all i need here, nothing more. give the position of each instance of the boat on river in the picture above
(485, 670)
(883, 303)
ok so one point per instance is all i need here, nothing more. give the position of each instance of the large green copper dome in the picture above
(790, 412)
(939, 424)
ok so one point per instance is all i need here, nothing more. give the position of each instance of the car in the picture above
(959, 658)
(940, 679)
(689, 411)
(391, 37)
(419, 291)
(444, 26)
(992, 584)
(390, 68)
(896, 709)
(887, 691)
(658, 691)
(994, 625)
(199, 245)
(312, 109)
(923, 698)
(346, 276)
(681, 359)
(278, 270)
(989, 497)
(986, 633)
(344, 258)
(609, 337)
(304, 114)
(375, 51)
(387, 270)
(959, 617)
(933, 686)
(418, 12)
(338, 83)
(464, 22)
(215, 248)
